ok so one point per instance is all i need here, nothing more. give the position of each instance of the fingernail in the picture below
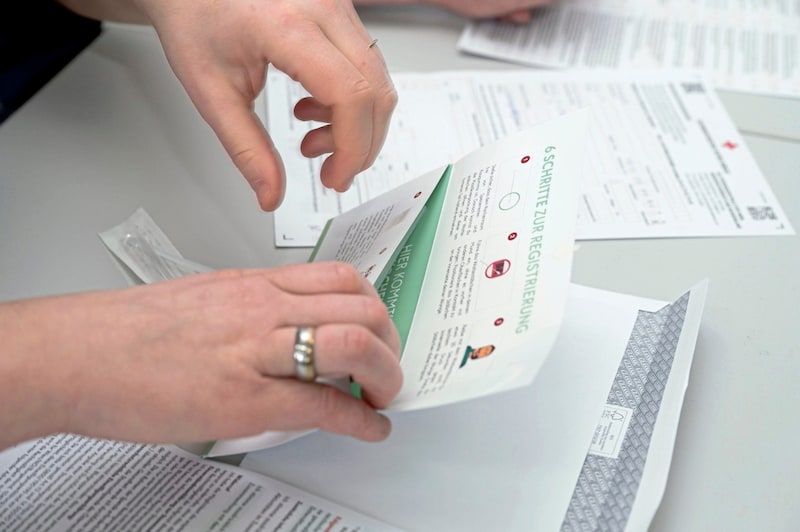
(385, 426)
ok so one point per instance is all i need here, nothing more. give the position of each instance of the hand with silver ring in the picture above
(207, 357)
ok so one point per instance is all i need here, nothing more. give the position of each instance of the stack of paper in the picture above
(745, 46)
(663, 159)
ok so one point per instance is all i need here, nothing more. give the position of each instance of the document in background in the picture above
(744, 46)
(68, 482)
(587, 446)
(663, 159)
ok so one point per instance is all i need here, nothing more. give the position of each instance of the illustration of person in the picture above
(472, 353)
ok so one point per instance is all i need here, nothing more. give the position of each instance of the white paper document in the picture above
(741, 45)
(66, 482)
(587, 446)
(663, 157)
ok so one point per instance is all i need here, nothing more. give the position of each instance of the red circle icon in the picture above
(498, 322)
(512, 236)
(525, 159)
(498, 268)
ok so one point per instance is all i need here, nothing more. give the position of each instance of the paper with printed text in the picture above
(663, 159)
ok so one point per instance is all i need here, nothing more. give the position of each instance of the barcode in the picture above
(762, 213)
(693, 87)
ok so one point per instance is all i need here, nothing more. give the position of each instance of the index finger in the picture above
(228, 109)
(251, 149)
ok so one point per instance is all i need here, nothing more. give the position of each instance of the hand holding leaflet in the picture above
(477, 253)
(488, 262)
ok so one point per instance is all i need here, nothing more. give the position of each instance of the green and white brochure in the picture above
(473, 261)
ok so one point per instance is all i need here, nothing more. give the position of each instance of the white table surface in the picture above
(115, 131)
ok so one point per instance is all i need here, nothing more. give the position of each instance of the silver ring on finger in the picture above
(303, 355)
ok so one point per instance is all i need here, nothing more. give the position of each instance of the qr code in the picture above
(694, 87)
(762, 213)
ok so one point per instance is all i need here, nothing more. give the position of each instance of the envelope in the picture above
(588, 443)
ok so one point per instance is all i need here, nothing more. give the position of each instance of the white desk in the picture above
(115, 131)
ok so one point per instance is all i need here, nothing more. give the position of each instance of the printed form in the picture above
(67, 482)
(663, 159)
(743, 45)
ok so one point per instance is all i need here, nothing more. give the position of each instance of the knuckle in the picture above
(388, 98)
(375, 311)
(361, 89)
(244, 158)
(336, 415)
(289, 15)
(355, 341)
(397, 382)
(383, 96)
(254, 290)
(330, 6)
(233, 274)
(235, 280)
(362, 423)
(346, 275)
(328, 404)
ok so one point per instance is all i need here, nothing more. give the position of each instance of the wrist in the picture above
(35, 400)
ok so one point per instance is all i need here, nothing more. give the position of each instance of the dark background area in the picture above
(37, 39)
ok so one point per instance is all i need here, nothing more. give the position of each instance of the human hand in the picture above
(209, 356)
(220, 52)
(516, 11)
